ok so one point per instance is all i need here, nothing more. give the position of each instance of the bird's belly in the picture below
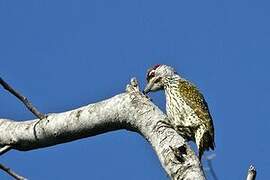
(182, 116)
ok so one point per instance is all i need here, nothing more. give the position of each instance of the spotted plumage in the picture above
(185, 106)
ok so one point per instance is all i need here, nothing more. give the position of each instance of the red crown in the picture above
(156, 66)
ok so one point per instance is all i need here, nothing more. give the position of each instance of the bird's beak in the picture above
(148, 87)
(146, 90)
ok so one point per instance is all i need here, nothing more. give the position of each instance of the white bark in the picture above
(130, 110)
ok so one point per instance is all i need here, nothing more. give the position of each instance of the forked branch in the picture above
(130, 110)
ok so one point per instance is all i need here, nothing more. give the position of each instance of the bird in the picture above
(186, 108)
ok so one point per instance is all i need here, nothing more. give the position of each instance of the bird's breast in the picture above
(178, 111)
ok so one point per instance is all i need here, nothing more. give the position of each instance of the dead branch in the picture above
(251, 173)
(130, 110)
(12, 173)
(23, 99)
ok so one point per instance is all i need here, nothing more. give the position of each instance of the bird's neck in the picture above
(171, 86)
(171, 81)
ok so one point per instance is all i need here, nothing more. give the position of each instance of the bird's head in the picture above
(155, 76)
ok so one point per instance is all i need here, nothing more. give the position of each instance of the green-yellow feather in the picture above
(196, 101)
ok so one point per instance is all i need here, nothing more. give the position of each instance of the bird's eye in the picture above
(158, 79)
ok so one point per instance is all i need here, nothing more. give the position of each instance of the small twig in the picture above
(251, 173)
(12, 173)
(211, 169)
(5, 149)
(22, 98)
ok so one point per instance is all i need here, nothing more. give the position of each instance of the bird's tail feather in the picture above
(204, 141)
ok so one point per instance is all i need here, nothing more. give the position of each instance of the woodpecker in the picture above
(186, 107)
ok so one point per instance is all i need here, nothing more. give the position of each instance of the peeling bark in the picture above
(130, 110)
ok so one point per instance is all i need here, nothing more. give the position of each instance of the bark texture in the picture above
(130, 110)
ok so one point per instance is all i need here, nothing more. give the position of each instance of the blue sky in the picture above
(65, 54)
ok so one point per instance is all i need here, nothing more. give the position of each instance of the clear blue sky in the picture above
(65, 54)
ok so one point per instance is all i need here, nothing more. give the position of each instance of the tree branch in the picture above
(251, 173)
(130, 110)
(5, 149)
(23, 99)
(12, 173)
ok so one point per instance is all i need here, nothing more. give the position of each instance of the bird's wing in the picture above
(196, 101)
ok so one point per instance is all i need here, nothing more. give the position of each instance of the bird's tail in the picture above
(204, 140)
